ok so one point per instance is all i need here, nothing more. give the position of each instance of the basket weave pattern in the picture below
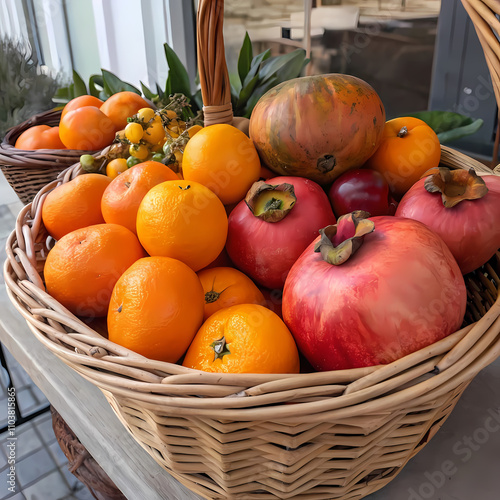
(27, 171)
(341, 434)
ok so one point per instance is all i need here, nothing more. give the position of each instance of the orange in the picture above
(409, 148)
(83, 267)
(156, 308)
(121, 106)
(224, 159)
(116, 167)
(40, 137)
(123, 196)
(183, 220)
(246, 338)
(225, 287)
(80, 102)
(75, 204)
(86, 128)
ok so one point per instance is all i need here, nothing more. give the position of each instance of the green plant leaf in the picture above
(245, 58)
(79, 85)
(177, 75)
(148, 94)
(286, 66)
(198, 100)
(112, 84)
(257, 94)
(96, 85)
(457, 133)
(255, 66)
(245, 94)
(63, 95)
(449, 126)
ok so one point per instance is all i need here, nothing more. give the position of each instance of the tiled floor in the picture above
(42, 468)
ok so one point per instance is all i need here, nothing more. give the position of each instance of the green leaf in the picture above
(286, 66)
(112, 84)
(79, 85)
(257, 94)
(448, 125)
(245, 94)
(198, 100)
(245, 58)
(457, 133)
(96, 85)
(63, 95)
(255, 66)
(168, 86)
(177, 75)
(148, 94)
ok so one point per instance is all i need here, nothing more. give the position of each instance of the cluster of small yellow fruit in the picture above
(153, 135)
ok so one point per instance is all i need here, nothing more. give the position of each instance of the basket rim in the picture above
(440, 367)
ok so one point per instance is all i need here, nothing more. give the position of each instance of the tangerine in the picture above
(80, 102)
(84, 265)
(86, 128)
(409, 148)
(121, 106)
(245, 338)
(225, 287)
(224, 159)
(156, 308)
(74, 205)
(40, 137)
(183, 220)
(123, 196)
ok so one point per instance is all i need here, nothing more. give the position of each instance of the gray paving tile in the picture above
(7, 194)
(26, 401)
(34, 466)
(51, 487)
(74, 483)
(39, 395)
(44, 426)
(4, 491)
(82, 493)
(58, 454)
(27, 441)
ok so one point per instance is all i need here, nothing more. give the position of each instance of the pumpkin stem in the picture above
(341, 241)
(403, 132)
(220, 348)
(456, 185)
(270, 203)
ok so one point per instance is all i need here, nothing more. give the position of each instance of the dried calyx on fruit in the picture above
(456, 185)
(270, 202)
(340, 241)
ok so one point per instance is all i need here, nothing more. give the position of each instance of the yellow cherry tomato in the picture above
(139, 151)
(145, 114)
(154, 133)
(134, 132)
(115, 167)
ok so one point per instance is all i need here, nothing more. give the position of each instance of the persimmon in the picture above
(245, 338)
(224, 159)
(84, 266)
(74, 205)
(80, 102)
(225, 287)
(40, 137)
(408, 149)
(86, 128)
(183, 220)
(121, 106)
(123, 196)
(156, 308)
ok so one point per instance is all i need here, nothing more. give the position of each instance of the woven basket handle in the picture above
(214, 77)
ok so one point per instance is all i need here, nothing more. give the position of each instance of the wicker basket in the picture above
(27, 171)
(330, 435)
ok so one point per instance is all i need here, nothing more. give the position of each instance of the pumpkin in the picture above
(317, 126)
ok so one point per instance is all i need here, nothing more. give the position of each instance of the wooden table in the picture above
(460, 463)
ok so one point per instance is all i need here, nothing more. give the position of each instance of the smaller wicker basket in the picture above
(27, 171)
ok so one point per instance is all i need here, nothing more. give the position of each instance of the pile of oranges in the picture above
(146, 250)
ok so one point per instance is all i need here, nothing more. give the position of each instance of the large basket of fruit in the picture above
(385, 320)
